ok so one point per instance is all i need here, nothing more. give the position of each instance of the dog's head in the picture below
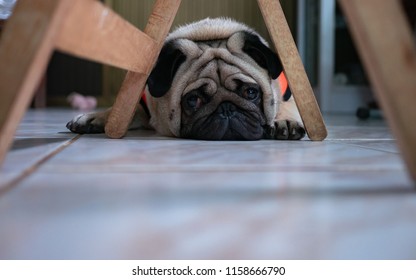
(214, 80)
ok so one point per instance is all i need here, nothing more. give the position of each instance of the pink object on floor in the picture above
(81, 102)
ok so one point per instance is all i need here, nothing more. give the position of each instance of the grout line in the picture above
(358, 145)
(233, 168)
(373, 149)
(31, 169)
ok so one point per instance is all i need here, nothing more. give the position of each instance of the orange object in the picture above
(283, 82)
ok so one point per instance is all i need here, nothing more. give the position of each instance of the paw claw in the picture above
(289, 130)
(86, 123)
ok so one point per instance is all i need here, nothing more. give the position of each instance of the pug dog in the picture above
(215, 79)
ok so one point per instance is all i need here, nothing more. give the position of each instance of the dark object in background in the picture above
(371, 110)
(409, 7)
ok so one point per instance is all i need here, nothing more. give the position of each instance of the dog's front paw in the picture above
(288, 130)
(87, 123)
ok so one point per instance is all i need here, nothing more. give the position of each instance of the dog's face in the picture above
(214, 86)
(232, 112)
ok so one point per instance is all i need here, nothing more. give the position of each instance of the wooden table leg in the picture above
(295, 72)
(385, 43)
(122, 112)
(25, 48)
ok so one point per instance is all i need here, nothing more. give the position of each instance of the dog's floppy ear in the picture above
(261, 54)
(161, 77)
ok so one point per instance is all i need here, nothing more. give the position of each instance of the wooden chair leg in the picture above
(84, 28)
(295, 72)
(25, 48)
(39, 99)
(131, 90)
(385, 43)
(93, 31)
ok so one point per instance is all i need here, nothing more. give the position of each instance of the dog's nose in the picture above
(227, 110)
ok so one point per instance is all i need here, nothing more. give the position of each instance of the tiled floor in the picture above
(148, 197)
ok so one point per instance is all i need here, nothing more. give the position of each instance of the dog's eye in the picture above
(194, 102)
(251, 93)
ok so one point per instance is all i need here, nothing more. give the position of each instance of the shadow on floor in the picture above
(25, 143)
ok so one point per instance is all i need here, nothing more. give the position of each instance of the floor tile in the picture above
(152, 197)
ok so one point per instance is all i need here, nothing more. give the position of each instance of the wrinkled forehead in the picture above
(218, 73)
(219, 63)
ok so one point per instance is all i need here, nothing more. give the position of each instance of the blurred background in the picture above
(318, 26)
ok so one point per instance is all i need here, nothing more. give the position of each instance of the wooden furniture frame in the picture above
(90, 30)
(387, 48)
